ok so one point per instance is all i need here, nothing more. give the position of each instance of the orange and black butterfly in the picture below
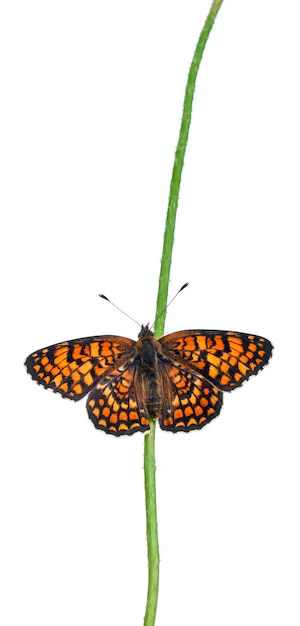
(178, 379)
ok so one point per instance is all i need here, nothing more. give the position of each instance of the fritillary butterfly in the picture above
(178, 379)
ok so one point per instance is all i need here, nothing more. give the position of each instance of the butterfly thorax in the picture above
(146, 347)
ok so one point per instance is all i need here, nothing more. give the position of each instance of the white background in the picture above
(91, 106)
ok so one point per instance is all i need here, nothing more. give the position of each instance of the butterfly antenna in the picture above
(101, 295)
(176, 294)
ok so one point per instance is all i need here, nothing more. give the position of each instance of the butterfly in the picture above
(178, 379)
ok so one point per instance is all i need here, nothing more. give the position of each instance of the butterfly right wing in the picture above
(189, 400)
(73, 368)
(225, 358)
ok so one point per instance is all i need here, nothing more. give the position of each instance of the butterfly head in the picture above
(145, 331)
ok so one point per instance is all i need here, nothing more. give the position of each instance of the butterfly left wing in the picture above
(117, 404)
(224, 358)
(73, 368)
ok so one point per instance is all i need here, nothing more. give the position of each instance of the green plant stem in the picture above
(152, 530)
(166, 259)
(165, 268)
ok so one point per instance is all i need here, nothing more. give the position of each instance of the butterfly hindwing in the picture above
(194, 400)
(117, 404)
(224, 358)
(72, 368)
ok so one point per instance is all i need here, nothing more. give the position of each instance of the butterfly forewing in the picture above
(73, 368)
(224, 358)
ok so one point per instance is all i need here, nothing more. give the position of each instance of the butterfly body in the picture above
(178, 379)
